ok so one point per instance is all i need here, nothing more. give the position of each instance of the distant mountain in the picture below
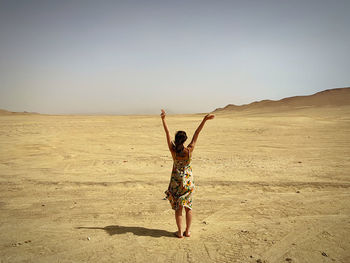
(329, 97)
(6, 112)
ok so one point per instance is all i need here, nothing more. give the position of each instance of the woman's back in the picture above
(184, 154)
(182, 159)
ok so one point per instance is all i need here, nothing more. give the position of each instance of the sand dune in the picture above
(271, 187)
(331, 97)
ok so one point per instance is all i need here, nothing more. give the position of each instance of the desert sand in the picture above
(271, 186)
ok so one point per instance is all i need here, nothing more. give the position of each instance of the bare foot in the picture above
(177, 234)
(187, 234)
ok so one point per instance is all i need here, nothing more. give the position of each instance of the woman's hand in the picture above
(162, 115)
(209, 117)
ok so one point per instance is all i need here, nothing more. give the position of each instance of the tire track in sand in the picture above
(304, 230)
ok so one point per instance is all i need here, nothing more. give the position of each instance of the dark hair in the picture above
(180, 138)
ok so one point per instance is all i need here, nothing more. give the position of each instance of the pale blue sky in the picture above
(129, 57)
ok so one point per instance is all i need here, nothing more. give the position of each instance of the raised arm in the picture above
(200, 127)
(162, 115)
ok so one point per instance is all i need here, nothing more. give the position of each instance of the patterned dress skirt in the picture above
(181, 186)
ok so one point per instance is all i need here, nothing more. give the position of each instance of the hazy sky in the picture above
(183, 56)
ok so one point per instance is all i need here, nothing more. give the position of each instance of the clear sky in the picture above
(134, 57)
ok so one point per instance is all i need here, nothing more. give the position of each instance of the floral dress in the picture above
(181, 184)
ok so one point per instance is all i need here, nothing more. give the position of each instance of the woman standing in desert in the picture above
(181, 186)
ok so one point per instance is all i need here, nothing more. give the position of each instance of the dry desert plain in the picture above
(270, 187)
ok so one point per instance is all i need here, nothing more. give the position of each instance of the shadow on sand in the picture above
(136, 230)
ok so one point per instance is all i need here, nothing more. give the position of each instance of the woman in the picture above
(181, 184)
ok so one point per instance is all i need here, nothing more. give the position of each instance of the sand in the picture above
(270, 187)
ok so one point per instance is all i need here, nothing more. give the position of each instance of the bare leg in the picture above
(178, 218)
(188, 221)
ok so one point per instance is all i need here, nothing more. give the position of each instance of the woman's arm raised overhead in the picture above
(162, 115)
(196, 133)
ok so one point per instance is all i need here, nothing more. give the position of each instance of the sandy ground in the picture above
(271, 187)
